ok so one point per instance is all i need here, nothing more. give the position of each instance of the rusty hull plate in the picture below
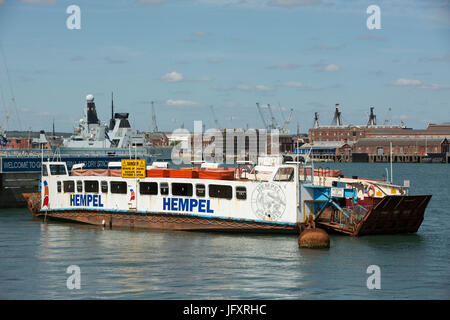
(394, 214)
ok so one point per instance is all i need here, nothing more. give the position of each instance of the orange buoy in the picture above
(314, 239)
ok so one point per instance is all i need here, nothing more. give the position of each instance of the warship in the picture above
(93, 143)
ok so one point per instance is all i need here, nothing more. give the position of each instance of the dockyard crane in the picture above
(388, 117)
(155, 126)
(214, 117)
(281, 112)
(274, 124)
(262, 116)
(287, 121)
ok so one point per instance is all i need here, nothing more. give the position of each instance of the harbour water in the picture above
(137, 264)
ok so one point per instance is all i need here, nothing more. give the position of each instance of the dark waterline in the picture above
(133, 264)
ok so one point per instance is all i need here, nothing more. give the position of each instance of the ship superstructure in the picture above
(91, 133)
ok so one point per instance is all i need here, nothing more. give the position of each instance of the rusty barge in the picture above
(269, 197)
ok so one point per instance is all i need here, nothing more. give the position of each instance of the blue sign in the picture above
(86, 200)
(187, 205)
(33, 164)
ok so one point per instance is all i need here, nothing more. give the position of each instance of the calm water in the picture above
(122, 264)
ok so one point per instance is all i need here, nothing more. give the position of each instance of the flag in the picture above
(107, 137)
(3, 141)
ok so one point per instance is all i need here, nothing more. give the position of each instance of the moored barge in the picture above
(267, 198)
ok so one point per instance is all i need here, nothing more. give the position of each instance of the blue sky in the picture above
(188, 55)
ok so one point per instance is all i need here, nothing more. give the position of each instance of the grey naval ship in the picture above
(93, 143)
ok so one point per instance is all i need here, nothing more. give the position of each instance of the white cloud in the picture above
(331, 68)
(445, 58)
(202, 33)
(215, 60)
(180, 102)
(433, 86)
(259, 87)
(172, 77)
(402, 82)
(371, 37)
(40, 2)
(203, 79)
(292, 3)
(150, 2)
(292, 84)
(285, 66)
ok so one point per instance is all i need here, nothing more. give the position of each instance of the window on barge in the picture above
(148, 188)
(91, 186)
(69, 186)
(241, 193)
(79, 186)
(57, 169)
(182, 189)
(284, 174)
(164, 186)
(118, 187)
(200, 190)
(104, 186)
(58, 186)
(220, 191)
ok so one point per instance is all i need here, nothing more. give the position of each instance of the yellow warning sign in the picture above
(133, 168)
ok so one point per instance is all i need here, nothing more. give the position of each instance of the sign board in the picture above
(337, 192)
(133, 168)
(33, 164)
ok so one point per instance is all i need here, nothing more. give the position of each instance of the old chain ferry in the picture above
(270, 196)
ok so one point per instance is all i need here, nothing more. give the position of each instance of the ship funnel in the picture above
(316, 120)
(337, 116)
(372, 118)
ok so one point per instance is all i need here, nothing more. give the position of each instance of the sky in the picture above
(186, 56)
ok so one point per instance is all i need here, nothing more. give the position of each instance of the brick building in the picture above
(401, 146)
(354, 133)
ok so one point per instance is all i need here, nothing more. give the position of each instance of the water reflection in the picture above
(146, 264)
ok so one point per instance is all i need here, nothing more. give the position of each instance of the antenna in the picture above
(53, 129)
(112, 105)
(155, 126)
(13, 99)
(112, 122)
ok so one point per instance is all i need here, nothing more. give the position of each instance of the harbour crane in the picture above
(214, 117)
(274, 124)
(286, 122)
(262, 116)
(388, 117)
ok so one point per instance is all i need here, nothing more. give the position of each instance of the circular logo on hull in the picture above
(268, 201)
